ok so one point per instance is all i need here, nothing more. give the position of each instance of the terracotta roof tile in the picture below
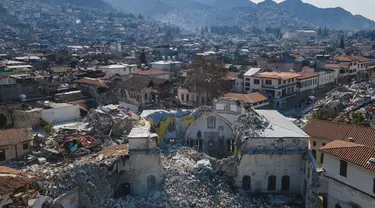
(254, 97)
(15, 136)
(343, 132)
(92, 81)
(351, 58)
(277, 75)
(307, 75)
(336, 66)
(351, 152)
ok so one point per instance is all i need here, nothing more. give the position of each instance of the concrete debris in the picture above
(112, 120)
(188, 186)
(249, 124)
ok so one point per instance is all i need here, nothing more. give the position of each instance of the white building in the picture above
(277, 160)
(349, 174)
(357, 64)
(344, 151)
(307, 81)
(118, 69)
(167, 65)
(61, 112)
(300, 34)
(247, 79)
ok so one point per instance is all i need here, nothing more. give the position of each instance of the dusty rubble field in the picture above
(189, 181)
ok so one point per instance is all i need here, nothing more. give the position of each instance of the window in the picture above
(314, 153)
(247, 84)
(187, 98)
(199, 134)
(343, 168)
(268, 82)
(2, 155)
(256, 81)
(373, 186)
(247, 79)
(182, 97)
(323, 144)
(285, 183)
(321, 158)
(272, 183)
(190, 142)
(314, 143)
(151, 182)
(284, 82)
(211, 122)
(279, 82)
(25, 146)
(246, 183)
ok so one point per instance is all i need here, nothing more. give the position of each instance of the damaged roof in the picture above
(15, 136)
(351, 58)
(138, 82)
(119, 150)
(280, 126)
(11, 179)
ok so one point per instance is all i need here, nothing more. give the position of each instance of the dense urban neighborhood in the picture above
(124, 104)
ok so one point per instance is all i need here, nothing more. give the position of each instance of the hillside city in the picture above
(196, 103)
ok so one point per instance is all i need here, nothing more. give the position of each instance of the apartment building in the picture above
(357, 65)
(279, 87)
(346, 152)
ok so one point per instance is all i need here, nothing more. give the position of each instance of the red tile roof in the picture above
(343, 132)
(351, 152)
(336, 66)
(92, 81)
(15, 136)
(11, 179)
(351, 58)
(254, 97)
(152, 72)
(307, 75)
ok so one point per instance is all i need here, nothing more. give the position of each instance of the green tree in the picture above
(318, 115)
(342, 44)
(358, 119)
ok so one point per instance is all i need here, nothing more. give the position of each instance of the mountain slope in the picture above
(330, 17)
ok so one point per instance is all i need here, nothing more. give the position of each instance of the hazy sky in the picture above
(362, 7)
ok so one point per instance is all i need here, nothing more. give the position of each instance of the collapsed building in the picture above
(271, 155)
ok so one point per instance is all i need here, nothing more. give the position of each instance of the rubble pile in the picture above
(88, 173)
(191, 181)
(249, 124)
(112, 120)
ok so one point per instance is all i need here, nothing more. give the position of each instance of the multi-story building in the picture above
(346, 152)
(357, 65)
(279, 87)
(118, 69)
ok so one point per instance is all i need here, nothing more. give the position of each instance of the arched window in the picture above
(285, 183)
(151, 182)
(199, 134)
(272, 183)
(246, 183)
(314, 153)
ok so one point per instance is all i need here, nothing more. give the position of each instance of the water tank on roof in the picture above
(23, 97)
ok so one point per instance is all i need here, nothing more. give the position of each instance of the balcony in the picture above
(265, 86)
